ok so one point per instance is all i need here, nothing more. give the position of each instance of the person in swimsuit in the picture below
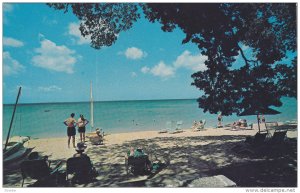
(81, 123)
(71, 131)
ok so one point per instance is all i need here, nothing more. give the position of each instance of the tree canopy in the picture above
(222, 32)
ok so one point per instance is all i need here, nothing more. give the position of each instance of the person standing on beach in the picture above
(263, 119)
(82, 122)
(71, 131)
(220, 120)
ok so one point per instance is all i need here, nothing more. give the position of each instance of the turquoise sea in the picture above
(46, 119)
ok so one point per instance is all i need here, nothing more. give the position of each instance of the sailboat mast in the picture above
(92, 108)
(12, 118)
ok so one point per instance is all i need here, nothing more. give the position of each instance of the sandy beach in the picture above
(190, 155)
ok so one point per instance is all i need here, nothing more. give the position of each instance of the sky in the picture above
(44, 53)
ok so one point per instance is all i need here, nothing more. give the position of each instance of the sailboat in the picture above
(94, 136)
(92, 131)
(92, 108)
(14, 146)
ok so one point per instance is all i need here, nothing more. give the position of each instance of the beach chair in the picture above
(39, 170)
(248, 127)
(137, 165)
(178, 127)
(82, 169)
(258, 139)
(278, 137)
(167, 129)
(96, 140)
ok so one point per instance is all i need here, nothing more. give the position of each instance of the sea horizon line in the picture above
(129, 100)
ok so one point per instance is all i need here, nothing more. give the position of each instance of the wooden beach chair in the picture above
(82, 169)
(39, 170)
(278, 137)
(96, 140)
(137, 165)
(258, 139)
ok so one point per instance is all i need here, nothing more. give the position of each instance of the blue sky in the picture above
(43, 52)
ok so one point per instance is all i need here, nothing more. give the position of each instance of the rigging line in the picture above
(14, 126)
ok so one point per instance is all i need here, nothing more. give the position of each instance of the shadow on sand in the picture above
(189, 158)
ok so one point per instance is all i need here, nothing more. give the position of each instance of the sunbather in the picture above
(138, 153)
(137, 159)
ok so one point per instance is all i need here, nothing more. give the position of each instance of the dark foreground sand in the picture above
(188, 155)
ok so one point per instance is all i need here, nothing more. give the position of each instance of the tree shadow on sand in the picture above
(189, 158)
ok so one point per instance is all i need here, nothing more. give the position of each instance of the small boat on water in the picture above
(14, 147)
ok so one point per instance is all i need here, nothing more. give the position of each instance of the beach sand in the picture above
(189, 155)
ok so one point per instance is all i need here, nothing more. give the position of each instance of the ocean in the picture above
(46, 119)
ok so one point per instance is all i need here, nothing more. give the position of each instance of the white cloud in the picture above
(134, 53)
(12, 42)
(192, 62)
(7, 7)
(133, 74)
(49, 88)
(145, 69)
(75, 32)
(161, 70)
(185, 60)
(10, 65)
(49, 21)
(53, 57)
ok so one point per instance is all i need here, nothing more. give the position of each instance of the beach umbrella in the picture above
(259, 110)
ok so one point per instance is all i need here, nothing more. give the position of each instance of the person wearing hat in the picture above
(80, 148)
(89, 171)
(71, 131)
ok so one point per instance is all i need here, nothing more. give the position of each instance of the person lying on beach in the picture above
(96, 138)
(240, 124)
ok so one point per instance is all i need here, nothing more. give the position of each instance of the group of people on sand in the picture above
(198, 124)
(71, 124)
(239, 123)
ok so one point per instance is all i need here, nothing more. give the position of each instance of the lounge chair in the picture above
(278, 137)
(137, 165)
(258, 139)
(82, 169)
(178, 127)
(96, 140)
(167, 129)
(237, 127)
(39, 170)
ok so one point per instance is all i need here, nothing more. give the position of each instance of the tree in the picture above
(221, 31)
(101, 21)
